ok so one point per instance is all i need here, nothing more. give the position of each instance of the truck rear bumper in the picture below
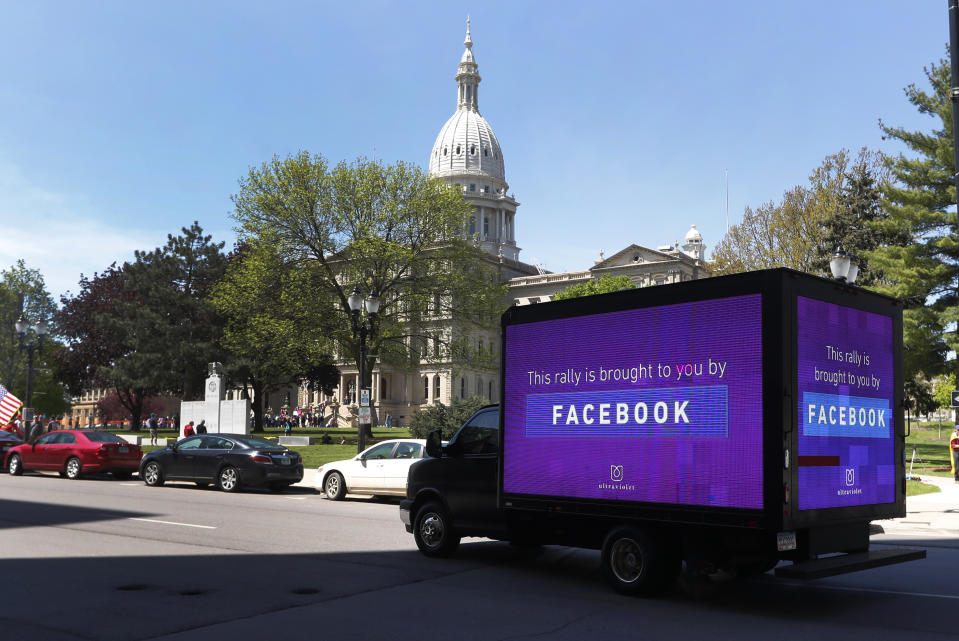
(406, 506)
(845, 563)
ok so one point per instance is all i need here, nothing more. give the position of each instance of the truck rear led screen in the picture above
(845, 371)
(658, 404)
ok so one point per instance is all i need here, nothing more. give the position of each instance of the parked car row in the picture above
(231, 461)
(228, 461)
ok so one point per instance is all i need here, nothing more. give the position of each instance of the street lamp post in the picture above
(28, 343)
(844, 267)
(364, 329)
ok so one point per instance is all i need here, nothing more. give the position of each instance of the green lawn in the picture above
(914, 488)
(931, 452)
(314, 455)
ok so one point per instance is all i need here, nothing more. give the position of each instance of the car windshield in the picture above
(257, 443)
(103, 437)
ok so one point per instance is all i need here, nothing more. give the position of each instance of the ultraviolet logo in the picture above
(671, 412)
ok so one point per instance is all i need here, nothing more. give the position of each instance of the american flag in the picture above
(9, 404)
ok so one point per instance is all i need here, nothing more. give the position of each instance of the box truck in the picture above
(737, 423)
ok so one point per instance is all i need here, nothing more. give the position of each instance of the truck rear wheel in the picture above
(432, 531)
(636, 562)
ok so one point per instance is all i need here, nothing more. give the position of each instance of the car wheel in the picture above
(73, 468)
(14, 465)
(335, 487)
(122, 476)
(153, 474)
(228, 479)
(636, 562)
(432, 531)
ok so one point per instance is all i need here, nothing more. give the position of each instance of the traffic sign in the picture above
(955, 398)
(365, 397)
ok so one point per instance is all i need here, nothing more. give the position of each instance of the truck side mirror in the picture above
(434, 444)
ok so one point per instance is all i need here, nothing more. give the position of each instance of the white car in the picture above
(380, 469)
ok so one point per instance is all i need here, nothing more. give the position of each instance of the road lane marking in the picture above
(875, 591)
(205, 527)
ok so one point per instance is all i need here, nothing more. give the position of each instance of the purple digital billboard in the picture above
(659, 404)
(846, 450)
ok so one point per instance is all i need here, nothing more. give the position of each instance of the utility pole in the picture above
(954, 97)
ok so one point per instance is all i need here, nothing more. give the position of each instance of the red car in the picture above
(73, 452)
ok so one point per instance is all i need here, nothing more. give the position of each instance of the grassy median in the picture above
(313, 455)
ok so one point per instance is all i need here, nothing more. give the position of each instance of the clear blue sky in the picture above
(121, 121)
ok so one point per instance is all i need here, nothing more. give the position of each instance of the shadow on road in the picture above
(15, 513)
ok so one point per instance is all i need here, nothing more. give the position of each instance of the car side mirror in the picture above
(434, 444)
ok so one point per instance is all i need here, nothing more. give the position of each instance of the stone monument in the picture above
(220, 415)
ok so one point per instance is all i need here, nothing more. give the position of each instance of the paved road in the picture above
(105, 560)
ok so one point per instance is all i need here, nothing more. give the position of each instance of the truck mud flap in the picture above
(845, 563)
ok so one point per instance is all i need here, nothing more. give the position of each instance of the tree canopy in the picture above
(271, 338)
(23, 293)
(603, 285)
(148, 327)
(836, 207)
(392, 230)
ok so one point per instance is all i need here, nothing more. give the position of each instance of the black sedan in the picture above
(7, 441)
(231, 461)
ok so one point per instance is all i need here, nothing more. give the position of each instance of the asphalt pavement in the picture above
(936, 513)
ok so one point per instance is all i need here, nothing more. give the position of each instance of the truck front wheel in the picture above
(635, 562)
(432, 531)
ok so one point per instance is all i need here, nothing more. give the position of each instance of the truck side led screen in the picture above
(660, 404)
(846, 451)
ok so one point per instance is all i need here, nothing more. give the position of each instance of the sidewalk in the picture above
(309, 477)
(929, 514)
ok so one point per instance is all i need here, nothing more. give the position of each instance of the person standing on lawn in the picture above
(153, 424)
(954, 452)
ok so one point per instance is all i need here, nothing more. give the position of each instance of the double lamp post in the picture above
(30, 339)
(363, 329)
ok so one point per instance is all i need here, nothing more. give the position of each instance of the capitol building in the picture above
(467, 153)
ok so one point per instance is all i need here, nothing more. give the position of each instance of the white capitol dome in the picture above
(466, 145)
(693, 235)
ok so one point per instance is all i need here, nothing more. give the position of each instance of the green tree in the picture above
(791, 233)
(603, 285)
(178, 330)
(855, 223)
(942, 388)
(392, 230)
(98, 343)
(922, 268)
(272, 340)
(147, 328)
(446, 418)
(23, 293)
